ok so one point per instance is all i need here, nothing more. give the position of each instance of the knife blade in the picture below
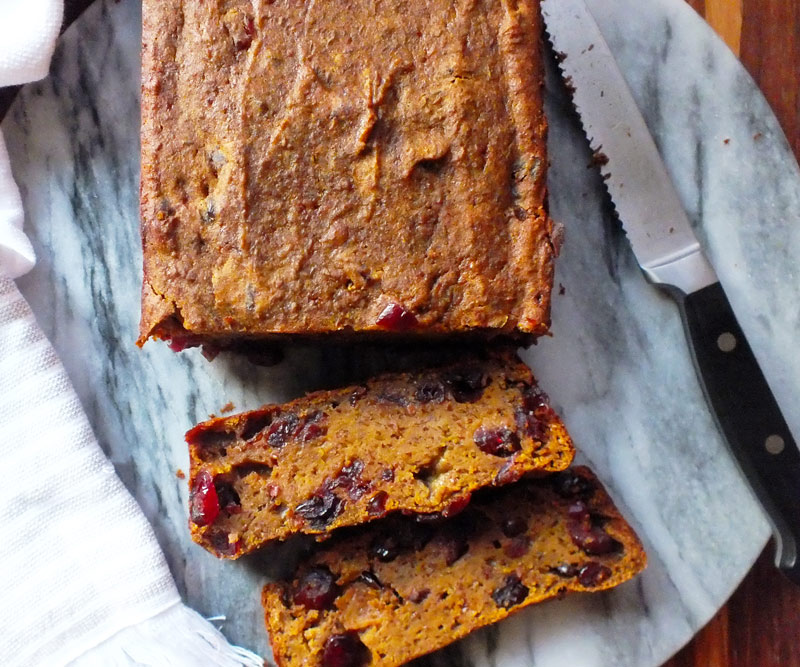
(670, 255)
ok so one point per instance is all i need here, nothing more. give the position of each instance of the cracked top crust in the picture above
(307, 167)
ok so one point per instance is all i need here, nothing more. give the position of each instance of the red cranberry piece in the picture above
(518, 546)
(396, 318)
(345, 650)
(500, 441)
(534, 399)
(511, 593)
(593, 574)
(586, 535)
(513, 526)
(246, 38)
(376, 506)
(316, 588)
(320, 510)
(466, 384)
(313, 426)
(578, 511)
(283, 429)
(456, 506)
(430, 391)
(203, 500)
(565, 570)
(227, 497)
(531, 417)
(180, 343)
(569, 485)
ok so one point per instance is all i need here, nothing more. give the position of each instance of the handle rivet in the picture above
(774, 444)
(726, 342)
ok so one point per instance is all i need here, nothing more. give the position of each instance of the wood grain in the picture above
(760, 625)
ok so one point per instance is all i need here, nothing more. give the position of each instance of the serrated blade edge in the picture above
(640, 187)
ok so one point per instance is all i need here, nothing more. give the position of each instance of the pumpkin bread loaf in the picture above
(343, 168)
(394, 590)
(419, 442)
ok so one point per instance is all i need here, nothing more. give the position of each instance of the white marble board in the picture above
(617, 366)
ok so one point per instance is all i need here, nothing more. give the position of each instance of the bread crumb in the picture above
(228, 407)
(726, 141)
(180, 474)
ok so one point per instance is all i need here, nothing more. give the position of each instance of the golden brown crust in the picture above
(303, 169)
(511, 548)
(418, 442)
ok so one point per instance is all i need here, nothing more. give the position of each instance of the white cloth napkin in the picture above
(85, 582)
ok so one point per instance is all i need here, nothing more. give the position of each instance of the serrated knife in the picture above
(671, 257)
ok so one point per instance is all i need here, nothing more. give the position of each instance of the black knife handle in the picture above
(748, 415)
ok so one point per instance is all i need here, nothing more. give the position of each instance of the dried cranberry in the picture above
(203, 500)
(513, 526)
(511, 593)
(316, 588)
(227, 497)
(222, 544)
(531, 417)
(565, 570)
(500, 441)
(593, 574)
(349, 478)
(376, 506)
(246, 38)
(345, 650)
(454, 547)
(396, 318)
(283, 429)
(569, 485)
(518, 547)
(369, 578)
(180, 343)
(508, 474)
(313, 426)
(430, 391)
(417, 596)
(466, 384)
(320, 510)
(456, 506)
(586, 534)
(534, 399)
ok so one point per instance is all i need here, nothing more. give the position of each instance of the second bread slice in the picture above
(418, 442)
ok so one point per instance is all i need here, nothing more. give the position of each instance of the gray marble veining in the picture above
(617, 367)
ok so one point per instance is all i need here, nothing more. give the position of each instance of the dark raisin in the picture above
(392, 397)
(532, 416)
(376, 506)
(316, 588)
(569, 485)
(500, 441)
(511, 593)
(203, 500)
(349, 478)
(387, 475)
(508, 474)
(227, 497)
(345, 650)
(357, 394)
(396, 318)
(386, 547)
(255, 424)
(466, 384)
(454, 547)
(518, 546)
(530, 425)
(534, 399)
(513, 526)
(417, 596)
(283, 429)
(369, 578)
(430, 391)
(320, 510)
(565, 570)
(593, 574)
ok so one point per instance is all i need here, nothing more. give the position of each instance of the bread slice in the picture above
(389, 592)
(417, 442)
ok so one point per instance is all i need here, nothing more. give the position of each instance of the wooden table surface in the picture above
(760, 625)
